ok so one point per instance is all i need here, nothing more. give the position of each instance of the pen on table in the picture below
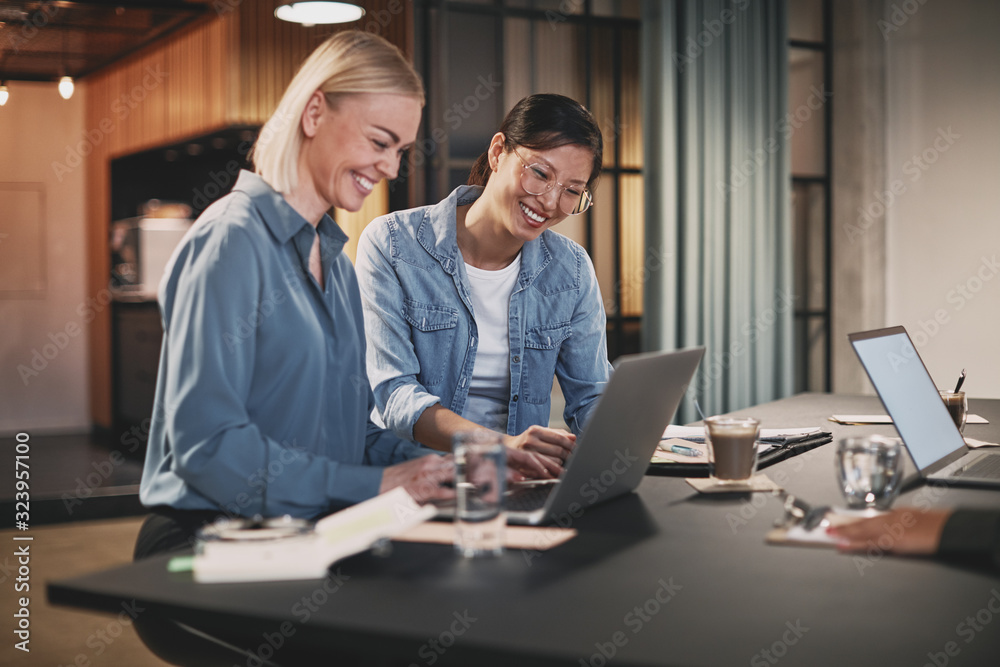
(684, 451)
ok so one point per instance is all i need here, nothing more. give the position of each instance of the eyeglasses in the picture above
(537, 179)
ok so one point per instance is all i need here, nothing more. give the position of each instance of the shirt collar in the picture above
(281, 219)
(437, 234)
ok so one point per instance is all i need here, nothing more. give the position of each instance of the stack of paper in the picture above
(309, 556)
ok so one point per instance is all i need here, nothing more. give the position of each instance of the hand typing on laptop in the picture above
(555, 443)
(523, 464)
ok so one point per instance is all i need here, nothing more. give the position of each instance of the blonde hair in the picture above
(349, 62)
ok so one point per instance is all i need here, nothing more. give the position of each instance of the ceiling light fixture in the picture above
(65, 82)
(66, 87)
(4, 93)
(319, 13)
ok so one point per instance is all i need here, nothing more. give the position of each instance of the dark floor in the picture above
(72, 478)
(69, 635)
(87, 493)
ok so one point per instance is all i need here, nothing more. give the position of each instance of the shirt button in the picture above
(516, 359)
(515, 398)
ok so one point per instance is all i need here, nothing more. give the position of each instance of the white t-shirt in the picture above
(489, 390)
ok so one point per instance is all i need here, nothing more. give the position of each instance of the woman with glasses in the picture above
(473, 305)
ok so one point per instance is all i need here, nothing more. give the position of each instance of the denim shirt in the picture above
(421, 327)
(262, 403)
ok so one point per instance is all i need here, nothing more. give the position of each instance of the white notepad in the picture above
(309, 556)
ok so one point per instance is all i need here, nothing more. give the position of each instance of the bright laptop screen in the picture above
(909, 395)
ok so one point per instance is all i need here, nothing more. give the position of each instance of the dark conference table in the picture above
(661, 577)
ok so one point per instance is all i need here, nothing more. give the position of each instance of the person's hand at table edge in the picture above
(908, 531)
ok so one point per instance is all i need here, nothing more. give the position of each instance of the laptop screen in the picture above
(908, 393)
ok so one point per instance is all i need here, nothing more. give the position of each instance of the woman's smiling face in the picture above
(524, 215)
(356, 143)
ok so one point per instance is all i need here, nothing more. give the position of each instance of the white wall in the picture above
(943, 158)
(44, 262)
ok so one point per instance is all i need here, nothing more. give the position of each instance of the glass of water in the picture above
(480, 479)
(870, 470)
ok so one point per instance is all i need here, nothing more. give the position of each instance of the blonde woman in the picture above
(262, 401)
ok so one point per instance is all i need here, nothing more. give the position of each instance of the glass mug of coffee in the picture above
(958, 407)
(732, 444)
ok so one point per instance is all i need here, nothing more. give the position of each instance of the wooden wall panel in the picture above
(376, 204)
(160, 95)
(634, 271)
(98, 258)
(271, 51)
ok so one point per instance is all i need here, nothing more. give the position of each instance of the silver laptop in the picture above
(613, 452)
(910, 397)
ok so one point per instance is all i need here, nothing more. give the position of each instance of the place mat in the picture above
(756, 483)
(538, 538)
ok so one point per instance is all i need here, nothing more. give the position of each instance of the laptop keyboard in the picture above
(528, 499)
(986, 466)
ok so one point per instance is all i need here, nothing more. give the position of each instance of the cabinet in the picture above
(136, 336)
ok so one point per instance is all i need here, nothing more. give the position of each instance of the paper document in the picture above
(818, 537)
(773, 435)
(858, 420)
(514, 537)
(308, 556)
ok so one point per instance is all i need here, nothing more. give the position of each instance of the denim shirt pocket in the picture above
(541, 350)
(432, 330)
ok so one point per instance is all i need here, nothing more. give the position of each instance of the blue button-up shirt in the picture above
(422, 333)
(262, 399)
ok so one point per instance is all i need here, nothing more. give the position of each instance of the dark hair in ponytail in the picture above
(545, 121)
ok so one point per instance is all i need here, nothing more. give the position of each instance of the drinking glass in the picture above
(480, 478)
(958, 407)
(870, 470)
(732, 443)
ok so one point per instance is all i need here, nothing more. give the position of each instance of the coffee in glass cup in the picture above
(958, 407)
(733, 446)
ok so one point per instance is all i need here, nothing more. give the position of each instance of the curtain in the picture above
(717, 196)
